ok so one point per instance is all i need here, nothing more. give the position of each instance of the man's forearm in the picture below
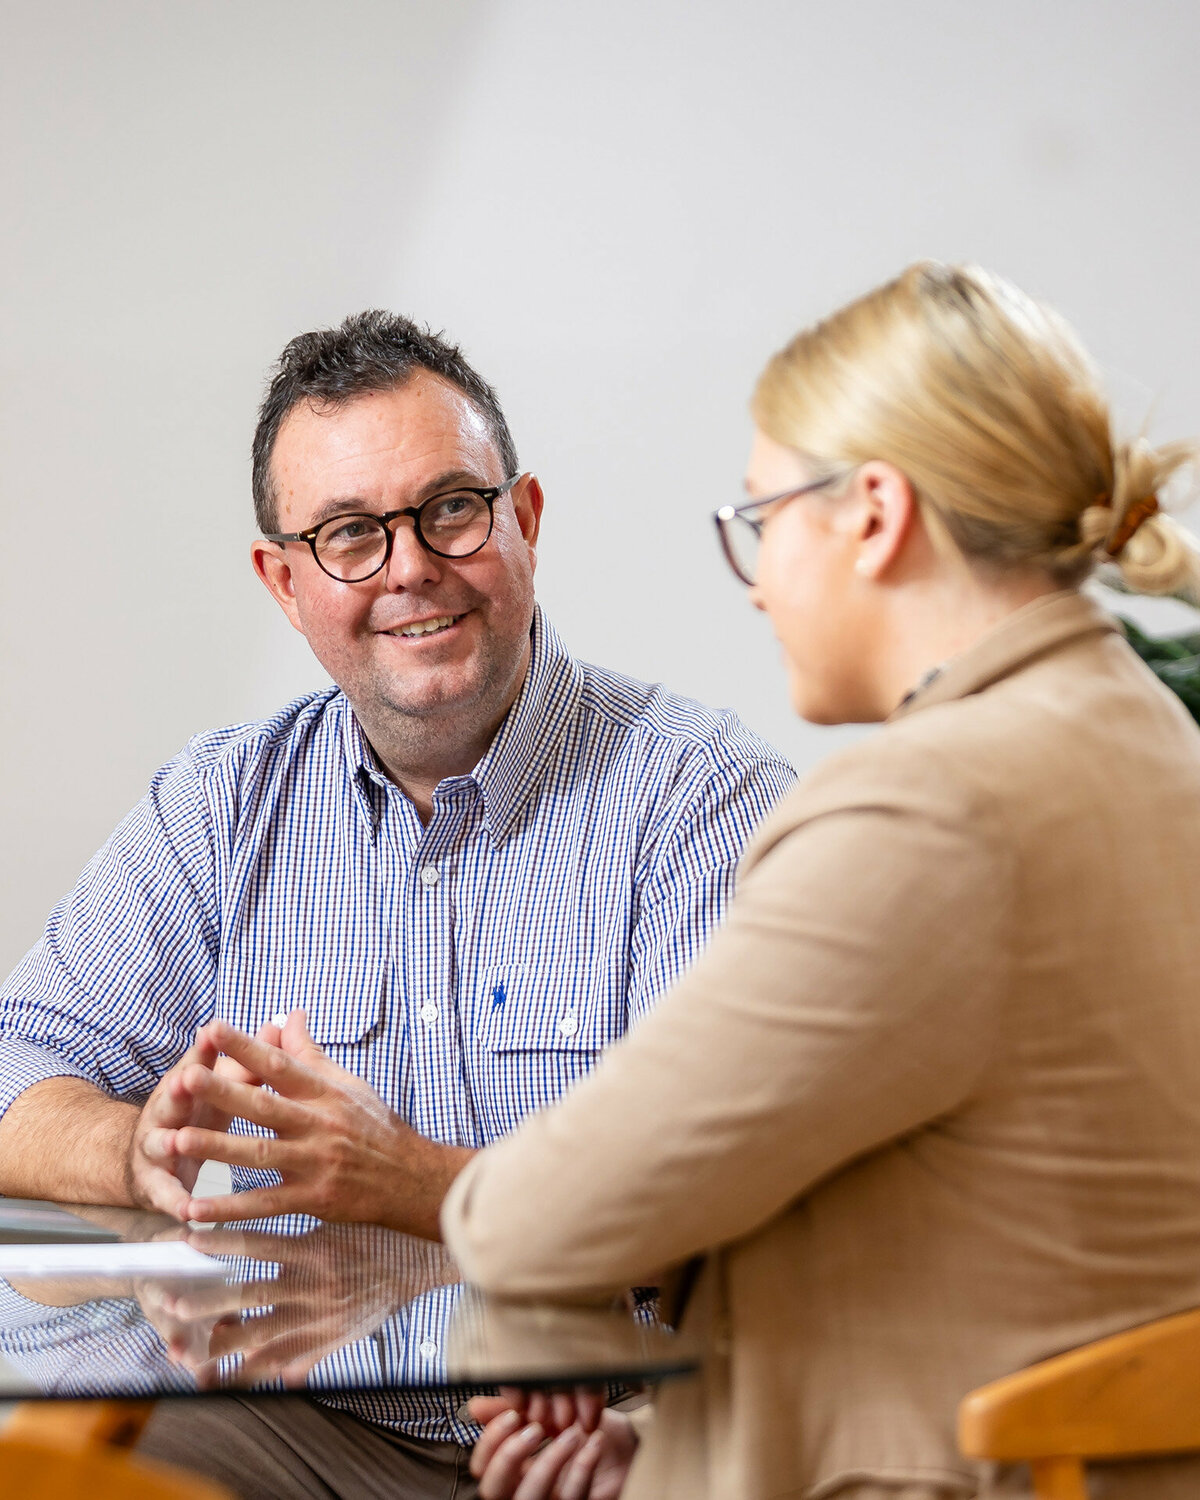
(433, 1167)
(63, 1138)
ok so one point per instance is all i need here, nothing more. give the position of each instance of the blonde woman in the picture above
(929, 1109)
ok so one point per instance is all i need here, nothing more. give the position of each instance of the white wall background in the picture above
(619, 209)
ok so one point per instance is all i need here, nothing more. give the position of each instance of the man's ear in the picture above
(884, 514)
(528, 499)
(270, 562)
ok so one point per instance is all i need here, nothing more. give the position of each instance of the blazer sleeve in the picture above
(851, 997)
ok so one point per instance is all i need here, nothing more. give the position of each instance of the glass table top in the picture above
(117, 1303)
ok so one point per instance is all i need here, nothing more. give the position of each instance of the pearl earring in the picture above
(862, 567)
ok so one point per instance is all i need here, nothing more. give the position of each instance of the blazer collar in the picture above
(1052, 621)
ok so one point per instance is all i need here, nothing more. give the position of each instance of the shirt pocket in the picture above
(341, 993)
(543, 1008)
(344, 1003)
(539, 1030)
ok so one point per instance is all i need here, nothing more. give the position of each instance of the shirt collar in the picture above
(1047, 623)
(366, 774)
(531, 732)
(515, 760)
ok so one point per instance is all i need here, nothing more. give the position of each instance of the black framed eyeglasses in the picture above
(356, 545)
(740, 527)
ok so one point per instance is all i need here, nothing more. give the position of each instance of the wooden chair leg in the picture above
(78, 1424)
(1058, 1479)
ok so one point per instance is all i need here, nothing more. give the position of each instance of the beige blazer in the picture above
(930, 1104)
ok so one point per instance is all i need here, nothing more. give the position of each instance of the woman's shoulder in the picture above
(1066, 737)
(918, 766)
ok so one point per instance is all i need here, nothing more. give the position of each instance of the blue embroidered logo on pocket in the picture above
(499, 994)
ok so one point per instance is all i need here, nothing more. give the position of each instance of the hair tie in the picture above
(1137, 512)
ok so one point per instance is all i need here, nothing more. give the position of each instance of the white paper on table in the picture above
(168, 1257)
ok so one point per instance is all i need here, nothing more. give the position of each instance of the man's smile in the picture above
(432, 625)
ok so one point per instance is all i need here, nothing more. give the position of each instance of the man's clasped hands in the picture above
(343, 1155)
(339, 1151)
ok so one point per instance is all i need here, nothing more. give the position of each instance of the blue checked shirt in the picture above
(470, 970)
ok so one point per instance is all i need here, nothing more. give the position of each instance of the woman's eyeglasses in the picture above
(740, 527)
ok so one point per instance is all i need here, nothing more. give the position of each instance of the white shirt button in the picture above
(429, 1013)
(279, 1018)
(429, 875)
(428, 1349)
(569, 1024)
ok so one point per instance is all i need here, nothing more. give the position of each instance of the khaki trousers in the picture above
(290, 1448)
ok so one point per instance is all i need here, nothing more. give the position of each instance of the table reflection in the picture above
(304, 1305)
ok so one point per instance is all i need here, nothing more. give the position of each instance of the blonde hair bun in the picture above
(988, 402)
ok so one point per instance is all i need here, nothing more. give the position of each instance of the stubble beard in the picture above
(419, 730)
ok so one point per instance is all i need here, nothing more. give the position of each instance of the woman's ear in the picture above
(884, 513)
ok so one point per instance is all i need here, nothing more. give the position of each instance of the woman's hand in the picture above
(587, 1458)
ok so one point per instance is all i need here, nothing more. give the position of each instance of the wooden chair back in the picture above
(69, 1450)
(1134, 1394)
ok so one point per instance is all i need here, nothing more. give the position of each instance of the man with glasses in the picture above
(470, 865)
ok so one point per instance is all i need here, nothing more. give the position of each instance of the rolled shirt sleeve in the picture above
(124, 972)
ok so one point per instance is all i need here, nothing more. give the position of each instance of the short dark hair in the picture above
(370, 351)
